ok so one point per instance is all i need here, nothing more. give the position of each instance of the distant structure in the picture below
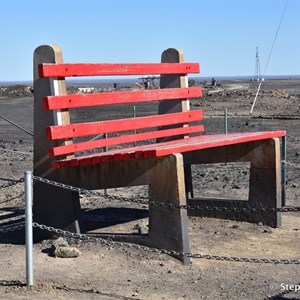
(257, 75)
(137, 86)
(85, 90)
(148, 82)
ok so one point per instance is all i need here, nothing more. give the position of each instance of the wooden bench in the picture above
(169, 142)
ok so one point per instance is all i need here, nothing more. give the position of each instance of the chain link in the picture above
(12, 183)
(11, 228)
(109, 242)
(146, 202)
(16, 152)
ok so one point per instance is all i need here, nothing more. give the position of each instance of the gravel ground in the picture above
(116, 272)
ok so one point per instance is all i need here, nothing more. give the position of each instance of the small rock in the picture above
(236, 187)
(60, 242)
(226, 178)
(66, 252)
(60, 248)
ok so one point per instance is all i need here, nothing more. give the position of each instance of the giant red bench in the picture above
(169, 142)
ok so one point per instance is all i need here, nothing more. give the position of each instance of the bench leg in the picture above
(168, 226)
(265, 181)
(264, 186)
(54, 206)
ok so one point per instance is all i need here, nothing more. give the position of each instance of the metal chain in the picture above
(11, 228)
(109, 242)
(88, 192)
(12, 183)
(16, 152)
(151, 202)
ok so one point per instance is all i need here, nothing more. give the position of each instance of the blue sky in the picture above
(220, 34)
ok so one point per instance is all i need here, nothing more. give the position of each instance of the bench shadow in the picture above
(91, 220)
(105, 217)
(10, 217)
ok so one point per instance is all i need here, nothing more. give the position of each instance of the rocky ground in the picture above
(117, 272)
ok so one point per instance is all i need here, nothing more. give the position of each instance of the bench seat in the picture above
(167, 148)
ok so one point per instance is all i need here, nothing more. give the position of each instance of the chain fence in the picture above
(23, 153)
(145, 201)
(109, 242)
(13, 227)
(12, 182)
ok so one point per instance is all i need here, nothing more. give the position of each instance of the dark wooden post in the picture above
(52, 205)
(265, 180)
(168, 226)
(172, 55)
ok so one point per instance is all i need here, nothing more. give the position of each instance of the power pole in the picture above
(257, 75)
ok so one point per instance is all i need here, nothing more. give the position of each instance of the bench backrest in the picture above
(171, 122)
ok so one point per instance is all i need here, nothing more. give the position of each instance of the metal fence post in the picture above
(28, 227)
(225, 121)
(105, 150)
(283, 171)
(134, 116)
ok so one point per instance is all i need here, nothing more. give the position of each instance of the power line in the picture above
(270, 53)
(275, 38)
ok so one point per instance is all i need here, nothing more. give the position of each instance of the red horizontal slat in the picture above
(94, 128)
(215, 141)
(69, 70)
(82, 100)
(72, 148)
(176, 146)
(201, 142)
